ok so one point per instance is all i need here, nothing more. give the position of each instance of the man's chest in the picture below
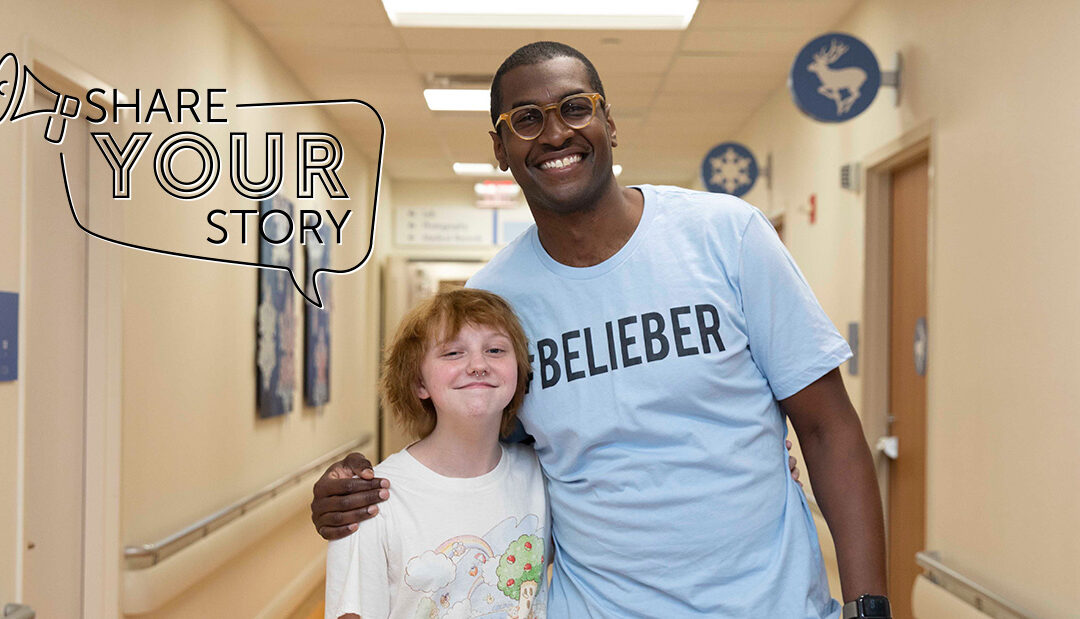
(629, 327)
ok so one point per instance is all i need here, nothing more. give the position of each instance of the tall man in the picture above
(671, 334)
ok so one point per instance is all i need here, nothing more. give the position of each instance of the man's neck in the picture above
(587, 238)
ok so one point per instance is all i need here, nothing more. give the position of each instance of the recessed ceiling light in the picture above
(559, 14)
(616, 169)
(457, 99)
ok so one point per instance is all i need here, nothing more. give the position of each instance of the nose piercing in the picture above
(478, 373)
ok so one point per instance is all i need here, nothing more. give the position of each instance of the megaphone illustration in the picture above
(59, 107)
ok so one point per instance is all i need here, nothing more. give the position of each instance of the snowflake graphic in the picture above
(730, 171)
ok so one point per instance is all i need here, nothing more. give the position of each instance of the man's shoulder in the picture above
(510, 261)
(704, 203)
(700, 216)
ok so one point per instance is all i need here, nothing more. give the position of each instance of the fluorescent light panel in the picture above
(457, 99)
(557, 14)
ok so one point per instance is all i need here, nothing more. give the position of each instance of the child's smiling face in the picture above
(471, 375)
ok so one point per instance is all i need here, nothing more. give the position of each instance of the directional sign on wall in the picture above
(729, 167)
(834, 78)
(445, 225)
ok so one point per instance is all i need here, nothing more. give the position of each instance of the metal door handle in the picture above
(889, 445)
(18, 611)
(918, 346)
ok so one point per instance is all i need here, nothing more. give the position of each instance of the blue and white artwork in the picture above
(317, 323)
(275, 347)
(834, 78)
(730, 168)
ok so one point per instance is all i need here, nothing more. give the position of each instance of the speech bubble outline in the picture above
(9, 60)
(317, 301)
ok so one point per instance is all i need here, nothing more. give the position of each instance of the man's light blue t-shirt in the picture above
(653, 402)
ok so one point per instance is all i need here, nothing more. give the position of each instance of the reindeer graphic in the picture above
(835, 81)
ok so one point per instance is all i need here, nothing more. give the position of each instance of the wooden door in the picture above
(907, 387)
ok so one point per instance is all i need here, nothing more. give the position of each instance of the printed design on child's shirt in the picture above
(500, 574)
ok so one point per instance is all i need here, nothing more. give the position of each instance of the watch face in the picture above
(875, 606)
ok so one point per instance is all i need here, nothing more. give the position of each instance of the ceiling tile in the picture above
(478, 63)
(745, 84)
(332, 38)
(452, 40)
(630, 63)
(598, 42)
(730, 66)
(753, 41)
(772, 14)
(290, 12)
(627, 84)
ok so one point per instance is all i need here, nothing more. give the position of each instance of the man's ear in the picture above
(500, 151)
(611, 126)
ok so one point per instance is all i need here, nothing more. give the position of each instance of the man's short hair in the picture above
(434, 320)
(535, 53)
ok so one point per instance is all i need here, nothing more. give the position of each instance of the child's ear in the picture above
(421, 390)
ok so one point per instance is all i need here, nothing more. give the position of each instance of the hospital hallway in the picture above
(218, 211)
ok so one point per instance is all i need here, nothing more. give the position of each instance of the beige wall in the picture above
(10, 267)
(191, 440)
(996, 82)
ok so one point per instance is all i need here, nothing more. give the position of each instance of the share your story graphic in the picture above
(191, 173)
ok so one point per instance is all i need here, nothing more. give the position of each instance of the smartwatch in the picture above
(868, 607)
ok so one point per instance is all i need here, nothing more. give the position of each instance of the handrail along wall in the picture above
(969, 591)
(146, 555)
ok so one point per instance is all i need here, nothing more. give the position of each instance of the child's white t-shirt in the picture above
(447, 547)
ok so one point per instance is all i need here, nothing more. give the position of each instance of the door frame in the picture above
(879, 166)
(102, 550)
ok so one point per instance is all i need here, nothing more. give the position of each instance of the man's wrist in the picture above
(868, 607)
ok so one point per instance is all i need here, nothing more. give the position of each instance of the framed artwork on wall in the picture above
(317, 325)
(275, 356)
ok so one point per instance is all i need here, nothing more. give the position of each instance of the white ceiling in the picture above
(677, 93)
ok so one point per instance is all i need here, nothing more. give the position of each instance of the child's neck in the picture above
(459, 452)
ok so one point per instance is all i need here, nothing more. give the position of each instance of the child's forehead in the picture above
(441, 333)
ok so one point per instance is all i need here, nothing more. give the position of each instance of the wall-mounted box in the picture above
(9, 336)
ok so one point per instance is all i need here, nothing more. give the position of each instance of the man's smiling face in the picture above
(563, 170)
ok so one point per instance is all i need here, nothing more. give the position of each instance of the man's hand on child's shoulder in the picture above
(793, 464)
(345, 495)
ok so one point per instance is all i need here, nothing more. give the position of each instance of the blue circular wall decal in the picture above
(730, 168)
(834, 78)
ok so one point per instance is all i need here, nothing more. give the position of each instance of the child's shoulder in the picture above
(397, 464)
